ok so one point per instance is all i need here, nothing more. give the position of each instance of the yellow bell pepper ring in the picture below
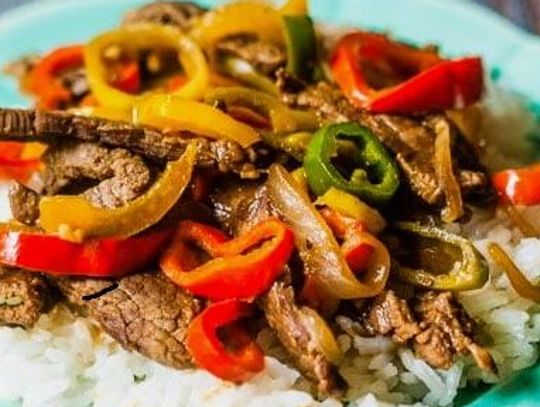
(169, 112)
(74, 218)
(294, 8)
(104, 113)
(137, 37)
(352, 206)
(242, 17)
(282, 118)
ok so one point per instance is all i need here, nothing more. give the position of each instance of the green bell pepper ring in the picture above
(301, 46)
(375, 177)
(470, 272)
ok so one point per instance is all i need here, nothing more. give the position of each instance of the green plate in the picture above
(458, 26)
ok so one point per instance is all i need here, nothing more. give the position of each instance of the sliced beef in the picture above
(325, 99)
(240, 206)
(264, 56)
(437, 327)
(145, 313)
(24, 203)
(122, 175)
(50, 127)
(284, 316)
(413, 145)
(411, 140)
(446, 330)
(390, 315)
(24, 296)
(181, 14)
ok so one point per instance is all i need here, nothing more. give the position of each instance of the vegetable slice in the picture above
(210, 353)
(520, 283)
(407, 79)
(240, 17)
(244, 72)
(43, 80)
(174, 113)
(94, 258)
(137, 37)
(521, 186)
(294, 8)
(283, 119)
(243, 267)
(468, 273)
(375, 176)
(76, 218)
(445, 173)
(350, 205)
(301, 45)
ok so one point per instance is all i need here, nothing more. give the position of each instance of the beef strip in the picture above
(390, 315)
(284, 316)
(51, 127)
(437, 326)
(446, 330)
(181, 14)
(24, 203)
(411, 140)
(24, 297)
(413, 146)
(144, 312)
(238, 208)
(123, 175)
(266, 57)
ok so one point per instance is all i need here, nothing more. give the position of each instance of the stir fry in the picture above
(245, 176)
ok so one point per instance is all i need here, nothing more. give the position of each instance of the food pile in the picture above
(193, 177)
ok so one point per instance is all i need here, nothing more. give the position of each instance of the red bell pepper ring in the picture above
(44, 81)
(19, 170)
(357, 254)
(128, 78)
(12, 165)
(93, 258)
(356, 250)
(410, 79)
(175, 82)
(242, 268)
(210, 353)
(519, 186)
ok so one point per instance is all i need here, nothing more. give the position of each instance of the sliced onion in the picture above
(524, 226)
(445, 173)
(518, 280)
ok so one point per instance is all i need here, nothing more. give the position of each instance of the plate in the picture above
(458, 26)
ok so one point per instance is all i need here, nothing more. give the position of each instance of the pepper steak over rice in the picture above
(211, 210)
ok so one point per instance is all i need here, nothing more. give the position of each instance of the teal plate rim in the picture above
(458, 26)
